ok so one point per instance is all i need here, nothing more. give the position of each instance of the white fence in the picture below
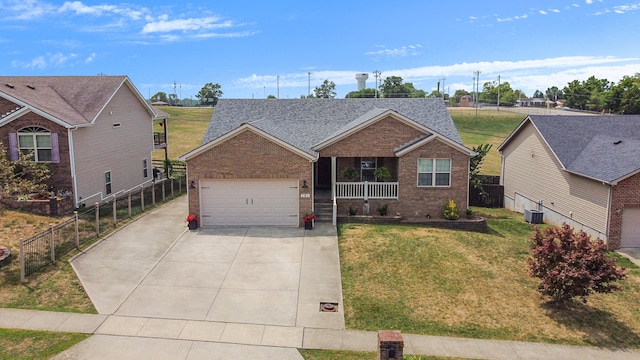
(367, 190)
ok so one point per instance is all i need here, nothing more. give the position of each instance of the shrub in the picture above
(352, 211)
(382, 173)
(349, 173)
(451, 211)
(570, 265)
(382, 210)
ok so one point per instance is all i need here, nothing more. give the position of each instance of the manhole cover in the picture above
(328, 307)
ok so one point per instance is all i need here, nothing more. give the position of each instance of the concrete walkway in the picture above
(123, 337)
(167, 293)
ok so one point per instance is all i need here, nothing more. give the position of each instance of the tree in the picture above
(490, 92)
(326, 90)
(553, 93)
(173, 99)
(570, 265)
(625, 96)
(592, 94)
(457, 95)
(209, 94)
(22, 177)
(364, 93)
(475, 179)
(392, 87)
(159, 96)
(538, 94)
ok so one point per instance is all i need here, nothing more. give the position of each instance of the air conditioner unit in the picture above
(534, 216)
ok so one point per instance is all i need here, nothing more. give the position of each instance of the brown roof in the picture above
(75, 100)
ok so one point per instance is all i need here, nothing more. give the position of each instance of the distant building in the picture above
(531, 102)
(466, 101)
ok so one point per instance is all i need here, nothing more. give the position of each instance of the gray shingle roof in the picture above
(76, 100)
(605, 148)
(304, 123)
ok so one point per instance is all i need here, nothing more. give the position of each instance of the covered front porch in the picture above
(355, 178)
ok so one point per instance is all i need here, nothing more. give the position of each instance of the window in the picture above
(107, 182)
(434, 172)
(145, 168)
(37, 142)
(367, 168)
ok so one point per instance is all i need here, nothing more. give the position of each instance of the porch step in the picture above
(324, 211)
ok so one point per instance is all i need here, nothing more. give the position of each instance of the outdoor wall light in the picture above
(192, 185)
(304, 184)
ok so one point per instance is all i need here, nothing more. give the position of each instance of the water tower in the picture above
(362, 80)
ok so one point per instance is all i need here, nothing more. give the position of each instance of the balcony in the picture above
(366, 190)
(159, 140)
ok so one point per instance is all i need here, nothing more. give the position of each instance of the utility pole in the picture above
(498, 92)
(477, 74)
(278, 85)
(309, 86)
(377, 74)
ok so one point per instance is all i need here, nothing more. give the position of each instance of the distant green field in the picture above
(187, 127)
(489, 127)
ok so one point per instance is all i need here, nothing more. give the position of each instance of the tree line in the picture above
(591, 94)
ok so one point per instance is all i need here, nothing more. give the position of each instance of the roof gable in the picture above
(603, 148)
(67, 100)
(245, 127)
(303, 123)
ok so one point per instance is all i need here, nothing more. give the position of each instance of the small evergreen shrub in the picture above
(451, 211)
(383, 210)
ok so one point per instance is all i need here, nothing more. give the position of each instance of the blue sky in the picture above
(257, 48)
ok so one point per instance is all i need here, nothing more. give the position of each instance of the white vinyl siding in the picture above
(101, 147)
(531, 170)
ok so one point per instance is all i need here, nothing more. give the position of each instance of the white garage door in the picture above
(630, 228)
(249, 202)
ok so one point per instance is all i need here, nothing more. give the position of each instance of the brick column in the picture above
(390, 344)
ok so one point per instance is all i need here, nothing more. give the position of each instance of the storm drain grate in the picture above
(328, 307)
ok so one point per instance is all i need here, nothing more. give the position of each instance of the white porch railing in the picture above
(366, 190)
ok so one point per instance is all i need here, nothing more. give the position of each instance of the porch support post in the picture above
(333, 190)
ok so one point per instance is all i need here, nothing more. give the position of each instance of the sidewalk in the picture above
(125, 337)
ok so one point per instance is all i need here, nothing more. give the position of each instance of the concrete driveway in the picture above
(155, 268)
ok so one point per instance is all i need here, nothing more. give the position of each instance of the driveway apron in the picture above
(155, 268)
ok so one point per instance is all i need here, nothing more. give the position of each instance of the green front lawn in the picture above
(29, 344)
(455, 283)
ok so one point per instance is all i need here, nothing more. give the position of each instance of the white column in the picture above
(333, 190)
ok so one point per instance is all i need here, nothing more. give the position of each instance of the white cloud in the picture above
(25, 9)
(44, 61)
(527, 75)
(409, 50)
(90, 58)
(542, 12)
(191, 24)
(79, 8)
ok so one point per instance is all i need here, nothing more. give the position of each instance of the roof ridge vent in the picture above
(31, 87)
(9, 85)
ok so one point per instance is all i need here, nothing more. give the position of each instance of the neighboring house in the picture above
(583, 170)
(94, 132)
(270, 162)
(531, 102)
(466, 101)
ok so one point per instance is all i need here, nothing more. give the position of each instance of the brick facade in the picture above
(249, 155)
(414, 203)
(61, 172)
(379, 139)
(626, 194)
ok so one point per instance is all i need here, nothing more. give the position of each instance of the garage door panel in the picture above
(249, 202)
(630, 228)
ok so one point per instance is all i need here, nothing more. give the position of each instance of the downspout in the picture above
(608, 223)
(72, 161)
